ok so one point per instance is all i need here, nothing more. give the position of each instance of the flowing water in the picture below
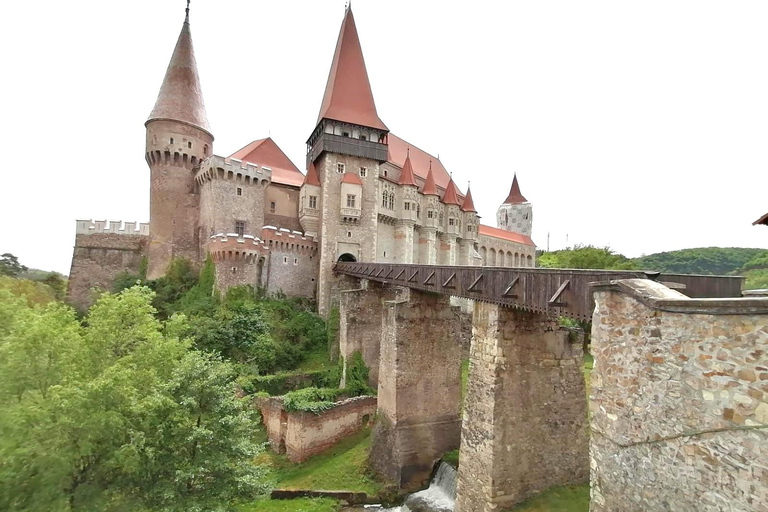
(440, 496)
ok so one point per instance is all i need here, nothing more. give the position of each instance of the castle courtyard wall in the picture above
(679, 401)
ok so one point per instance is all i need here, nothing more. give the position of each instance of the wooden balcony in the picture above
(347, 146)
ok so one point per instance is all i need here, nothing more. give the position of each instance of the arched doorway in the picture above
(347, 257)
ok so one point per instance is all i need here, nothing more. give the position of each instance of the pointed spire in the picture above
(429, 185)
(468, 205)
(450, 196)
(311, 178)
(348, 96)
(515, 197)
(180, 97)
(407, 177)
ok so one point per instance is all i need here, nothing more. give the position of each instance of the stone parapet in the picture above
(218, 167)
(679, 401)
(115, 227)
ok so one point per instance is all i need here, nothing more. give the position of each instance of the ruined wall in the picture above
(308, 434)
(301, 435)
(100, 256)
(679, 401)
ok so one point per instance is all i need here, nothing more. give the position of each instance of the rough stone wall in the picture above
(174, 202)
(97, 259)
(338, 236)
(221, 207)
(387, 250)
(525, 411)
(308, 434)
(238, 271)
(275, 420)
(679, 402)
(419, 388)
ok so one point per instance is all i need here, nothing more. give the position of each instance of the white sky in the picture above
(639, 125)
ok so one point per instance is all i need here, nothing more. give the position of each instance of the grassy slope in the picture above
(703, 260)
(297, 505)
(574, 498)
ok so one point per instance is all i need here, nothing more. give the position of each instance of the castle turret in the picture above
(178, 138)
(347, 146)
(516, 213)
(309, 202)
(469, 227)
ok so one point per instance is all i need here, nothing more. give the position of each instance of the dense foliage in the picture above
(117, 412)
(586, 256)
(10, 266)
(704, 260)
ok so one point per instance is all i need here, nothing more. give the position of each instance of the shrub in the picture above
(314, 400)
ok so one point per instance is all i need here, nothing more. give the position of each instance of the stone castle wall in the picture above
(100, 256)
(679, 401)
(293, 263)
(300, 435)
(286, 211)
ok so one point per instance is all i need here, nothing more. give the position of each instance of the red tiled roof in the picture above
(761, 220)
(468, 205)
(350, 177)
(266, 153)
(398, 150)
(406, 176)
(429, 185)
(180, 97)
(348, 96)
(505, 235)
(450, 194)
(515, 197)
(311, 178)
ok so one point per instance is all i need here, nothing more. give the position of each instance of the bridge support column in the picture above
(419, 389)
(360, 325)
(525, 411)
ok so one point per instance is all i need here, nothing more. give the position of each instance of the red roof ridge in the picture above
(505, 235)
(468, 205)
(450, 194)
(429, 184)
(761, 220)
(348, 96)
(266, 153)
(515, 197)
(311, 178)
(350, 177)
(406, 176)
(181, 97)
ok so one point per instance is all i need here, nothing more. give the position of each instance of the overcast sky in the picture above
(638, 125)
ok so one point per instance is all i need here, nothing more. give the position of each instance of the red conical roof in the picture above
(348, 96)
(407, 177)
(429, 184)
(266, 152)
(450, 196)
(312, 178)
(468, 205)
(515, 197)
(180, 97)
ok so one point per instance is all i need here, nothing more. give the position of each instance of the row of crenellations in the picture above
(117, 227)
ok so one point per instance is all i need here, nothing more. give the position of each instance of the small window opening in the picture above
(189, 145)
(171, 140)
(363, 137)
(285, 259)
(240, 228)
(345, 134)
(295, 261)
(407, 205)
(363, 172)
(239, 191)
(385, 254)
(313, 201)
(234, 270)
(351, 201)
(205, 150)
(385, 173)
(340, 168)
(272, 207)
(349, 234)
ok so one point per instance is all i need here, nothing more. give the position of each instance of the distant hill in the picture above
(704, 260)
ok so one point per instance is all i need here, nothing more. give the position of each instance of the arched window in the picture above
(384, 197)
(391, 201)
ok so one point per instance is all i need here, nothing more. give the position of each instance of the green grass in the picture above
(297, 505)
(342, 467)
(572, 498)
(313, 361)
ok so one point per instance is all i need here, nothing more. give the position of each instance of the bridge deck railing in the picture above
(558, 292)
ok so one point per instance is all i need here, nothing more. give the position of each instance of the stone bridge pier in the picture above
(525, 412)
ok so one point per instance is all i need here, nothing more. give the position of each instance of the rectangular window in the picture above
(171, 140)
(363, 137)
(240, 228)
(430, 214)
(313, 201)
(350, 200)
(450, 221)
(407, 205)
(189, 145)
(295, 261)
(345, 134)
(340, 168)
(239, 191)
(272, 207)
(363, 172)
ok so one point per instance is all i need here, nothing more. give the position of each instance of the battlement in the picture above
(285, 240)
(231, 247)
(218, 167)
(115, 227)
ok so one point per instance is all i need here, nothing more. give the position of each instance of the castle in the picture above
(367, 195)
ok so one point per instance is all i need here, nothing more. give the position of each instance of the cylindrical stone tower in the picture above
(516, 213)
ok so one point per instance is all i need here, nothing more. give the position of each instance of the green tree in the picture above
(586, 257)
(10, 266)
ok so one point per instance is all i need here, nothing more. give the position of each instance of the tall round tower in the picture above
(516, 213)
(178, 138)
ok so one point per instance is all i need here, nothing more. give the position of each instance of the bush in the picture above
(314, 400)
(357, 376)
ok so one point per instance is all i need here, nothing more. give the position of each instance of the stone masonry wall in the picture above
(293, 273)
(525, 413)
(97, 259)
(679, 401)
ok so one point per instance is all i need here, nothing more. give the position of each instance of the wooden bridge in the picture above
(552, 292)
